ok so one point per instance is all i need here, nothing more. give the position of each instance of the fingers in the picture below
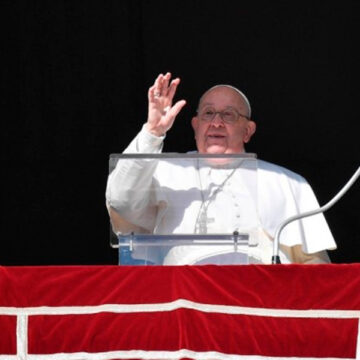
(161, 112)
(161, 87)
(165, 84)
(177, 108)
(151, 93)
(155, 90)
(172, 89)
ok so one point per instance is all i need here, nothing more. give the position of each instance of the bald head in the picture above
(243, 100)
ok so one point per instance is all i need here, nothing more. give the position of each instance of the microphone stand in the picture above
(276, 258)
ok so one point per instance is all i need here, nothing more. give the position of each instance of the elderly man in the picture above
(222, 125)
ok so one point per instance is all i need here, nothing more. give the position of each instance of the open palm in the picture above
(161, 112)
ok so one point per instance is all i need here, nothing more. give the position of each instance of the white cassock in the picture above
(175, 198)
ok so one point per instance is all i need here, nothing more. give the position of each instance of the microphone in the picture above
(275, 257)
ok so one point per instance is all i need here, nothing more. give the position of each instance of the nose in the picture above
(217, 121)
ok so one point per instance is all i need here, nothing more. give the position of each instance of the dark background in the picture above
(74, 80)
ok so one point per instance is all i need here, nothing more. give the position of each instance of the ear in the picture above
(250, 130)
(195, 123)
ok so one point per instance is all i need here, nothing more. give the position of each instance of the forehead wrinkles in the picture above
(238, 95)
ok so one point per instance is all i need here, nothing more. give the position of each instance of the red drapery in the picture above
(174, 312)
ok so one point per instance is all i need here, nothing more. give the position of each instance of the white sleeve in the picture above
(145, 143)
(130, 187)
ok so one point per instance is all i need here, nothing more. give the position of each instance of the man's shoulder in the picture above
(274, 171)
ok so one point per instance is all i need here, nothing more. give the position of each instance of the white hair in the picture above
(243, 96)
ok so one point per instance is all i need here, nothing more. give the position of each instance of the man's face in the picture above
(217, 136)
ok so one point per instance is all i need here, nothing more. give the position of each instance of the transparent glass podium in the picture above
(183, 209)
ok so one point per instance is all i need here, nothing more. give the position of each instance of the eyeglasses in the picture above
(228, 116)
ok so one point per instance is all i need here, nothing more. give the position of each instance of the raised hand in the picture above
(161, 113)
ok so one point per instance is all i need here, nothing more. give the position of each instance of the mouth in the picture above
(216, 136)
